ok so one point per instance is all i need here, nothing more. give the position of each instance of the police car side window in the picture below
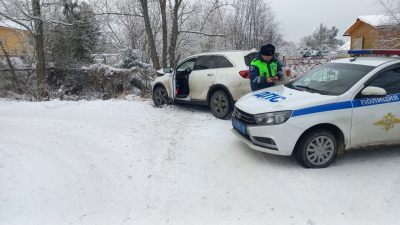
(388, 80)
(205, 62)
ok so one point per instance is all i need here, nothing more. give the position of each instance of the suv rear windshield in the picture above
(331, 78)
(248, 58)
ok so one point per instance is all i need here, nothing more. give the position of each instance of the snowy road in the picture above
(126, 162)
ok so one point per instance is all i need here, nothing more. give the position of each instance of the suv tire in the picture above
(220, 104)
(317, 149)
(160, 96)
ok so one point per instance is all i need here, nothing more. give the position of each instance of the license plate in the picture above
(239, 126)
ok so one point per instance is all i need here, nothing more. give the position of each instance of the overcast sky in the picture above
(299, 18)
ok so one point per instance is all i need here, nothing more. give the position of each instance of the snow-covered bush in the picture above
(130, 58)
(290, 49)
(323, 52)
(111, 81)
(306, 52)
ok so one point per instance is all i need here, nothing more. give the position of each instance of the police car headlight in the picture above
(273, 118)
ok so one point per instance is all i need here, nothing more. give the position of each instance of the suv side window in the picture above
(223, 62)
(388, 80)
(189, 64)
(205, 62)
(185, 68)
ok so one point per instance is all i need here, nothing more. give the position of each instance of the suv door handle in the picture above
(210, 74)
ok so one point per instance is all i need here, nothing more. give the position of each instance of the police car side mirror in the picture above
(372, 91)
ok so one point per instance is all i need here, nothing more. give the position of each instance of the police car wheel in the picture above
(317, 149)
(220, 105)
(160, 96)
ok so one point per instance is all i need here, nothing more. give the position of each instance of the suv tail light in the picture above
(288, 73)
(245, 74)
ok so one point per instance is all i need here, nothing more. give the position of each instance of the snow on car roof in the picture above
(368, 61)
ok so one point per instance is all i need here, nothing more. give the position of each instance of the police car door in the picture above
(377, 120)
(202, 77)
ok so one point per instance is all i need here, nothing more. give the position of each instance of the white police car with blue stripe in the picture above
(343, 104)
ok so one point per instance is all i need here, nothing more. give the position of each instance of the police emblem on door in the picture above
(388, 122)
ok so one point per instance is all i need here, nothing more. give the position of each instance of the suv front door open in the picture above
(181, 76)
(202, 77)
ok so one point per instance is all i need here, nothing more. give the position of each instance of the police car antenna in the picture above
(354, 59)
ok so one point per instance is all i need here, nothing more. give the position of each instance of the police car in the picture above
(344, 104)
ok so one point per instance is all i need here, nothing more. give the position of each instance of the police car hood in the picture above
(280, 98)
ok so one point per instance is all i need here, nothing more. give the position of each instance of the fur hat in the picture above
(267, 50)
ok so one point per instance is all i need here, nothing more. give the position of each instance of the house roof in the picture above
(11, 24)
(376, 21)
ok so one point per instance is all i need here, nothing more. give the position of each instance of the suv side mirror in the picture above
(167, 70)
(160, 73)
(372, 91)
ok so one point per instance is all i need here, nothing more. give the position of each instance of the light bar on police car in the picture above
(375, 51)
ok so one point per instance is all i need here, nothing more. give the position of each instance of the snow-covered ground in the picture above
(126, 162)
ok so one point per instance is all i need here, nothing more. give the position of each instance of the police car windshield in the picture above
(331, 78)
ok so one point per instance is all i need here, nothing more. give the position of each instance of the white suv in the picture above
(216, 79)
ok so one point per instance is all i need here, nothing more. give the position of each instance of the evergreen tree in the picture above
(324, 36)
(132, 58)
(321, 43)
(74, 44)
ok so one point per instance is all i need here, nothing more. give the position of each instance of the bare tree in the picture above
(122, 24)
(163, 7)
(22, 13)
(29, 14)
(14, 76)
(175, 30)
(38, 35)
(196, 27)
(253, 24)
(290, 49)
(183, 26)
(389, 28)
(170, 27)
(149, 31)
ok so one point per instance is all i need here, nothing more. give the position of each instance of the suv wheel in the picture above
(317, 149)
(160, 96)
(220, 105)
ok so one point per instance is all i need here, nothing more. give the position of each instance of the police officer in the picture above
(265, 69)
